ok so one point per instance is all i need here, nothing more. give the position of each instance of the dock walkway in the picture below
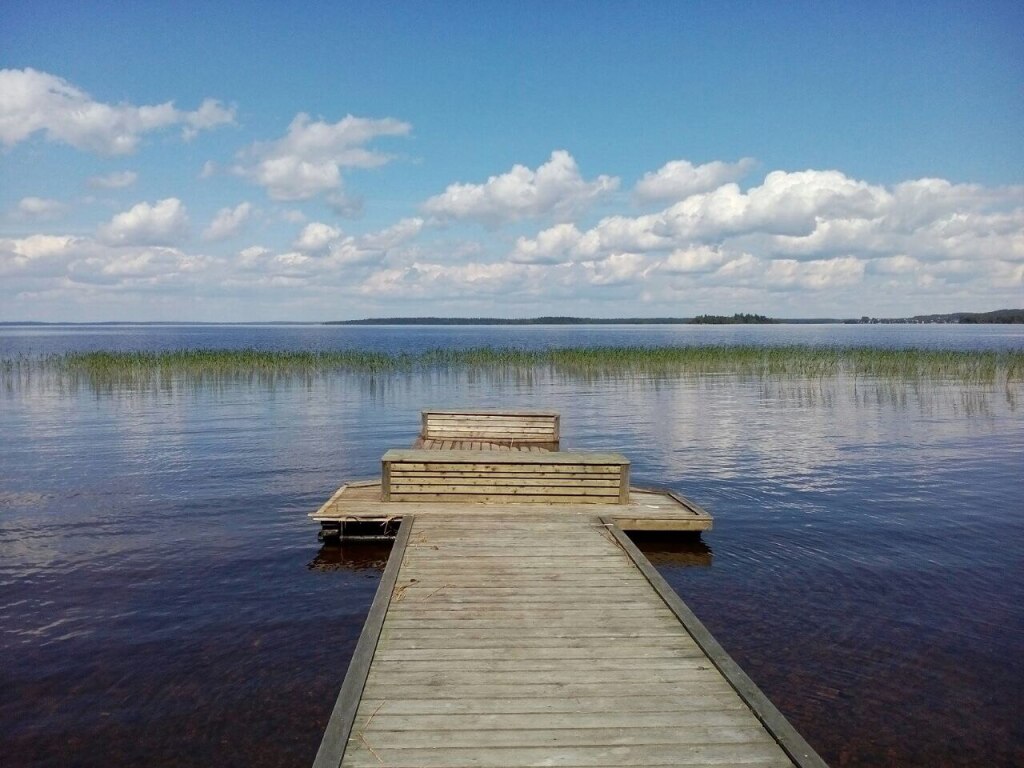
(499, 645)
(538, 635)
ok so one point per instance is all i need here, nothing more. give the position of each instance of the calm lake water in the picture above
(164, 600)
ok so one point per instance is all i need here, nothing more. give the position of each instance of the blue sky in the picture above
(255, 162)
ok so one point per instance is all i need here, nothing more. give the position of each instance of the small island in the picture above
(737, 319)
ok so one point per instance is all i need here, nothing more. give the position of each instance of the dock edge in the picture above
(780, 729)
(339, 726)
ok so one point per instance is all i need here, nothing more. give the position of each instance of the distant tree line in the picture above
(737, 319)
(544, 320)
(999, 316)
(740, 318)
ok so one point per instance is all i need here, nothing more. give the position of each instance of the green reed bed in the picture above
(123, 368)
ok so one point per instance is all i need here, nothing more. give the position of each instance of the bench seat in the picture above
(567, 477)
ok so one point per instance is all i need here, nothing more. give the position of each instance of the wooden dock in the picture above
(535, 634)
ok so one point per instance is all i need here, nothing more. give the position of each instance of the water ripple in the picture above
(163, 598)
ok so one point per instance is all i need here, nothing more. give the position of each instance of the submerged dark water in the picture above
(163, 599)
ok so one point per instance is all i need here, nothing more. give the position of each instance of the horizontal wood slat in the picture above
(559, 459)
(513, 477)
(494, 464)
(541, 421)
(496, 424)
(592, 481)
(482, 445)
(487, 416)
(503, 498)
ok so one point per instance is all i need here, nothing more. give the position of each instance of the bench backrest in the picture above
(505, 477)
(491, 426)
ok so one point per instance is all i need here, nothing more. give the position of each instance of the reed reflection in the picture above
(961, 396)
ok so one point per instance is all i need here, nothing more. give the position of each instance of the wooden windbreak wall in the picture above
(495, 478)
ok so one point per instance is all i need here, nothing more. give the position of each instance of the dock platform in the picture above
(537, 634)
(648, 509)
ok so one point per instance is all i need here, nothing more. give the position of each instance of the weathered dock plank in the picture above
(490, 645)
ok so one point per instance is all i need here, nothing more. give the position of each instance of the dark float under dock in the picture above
(517, 625)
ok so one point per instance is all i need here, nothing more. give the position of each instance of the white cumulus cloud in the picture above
(555, 245)
(335, 250)
(429, 280)
(316, 237)
(228, 222)
(555, 189)
(802, 233)
(696, 259)
(39, 208)
(163, 223)
(805, 243)
(617, 269)
(807, 215)
(679, 179)
(82, 261)
(391, 237)
(38, 102)
(785, 203)
(814, 275)
(309, 158)
(134, 266)
(211, 113)
(36, 255)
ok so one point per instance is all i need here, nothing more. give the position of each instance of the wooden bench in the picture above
(499, 478)
(455, 429)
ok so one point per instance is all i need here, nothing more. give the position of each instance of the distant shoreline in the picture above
(997, 317)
